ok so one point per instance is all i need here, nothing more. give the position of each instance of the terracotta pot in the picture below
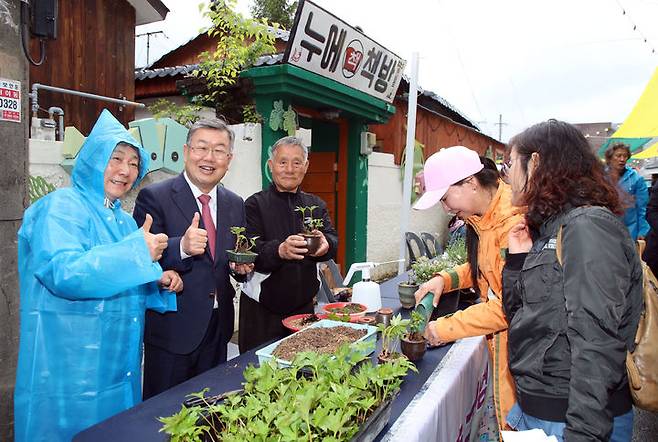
(312, 242)
(406, 294)
(241, 257)
(413, 350)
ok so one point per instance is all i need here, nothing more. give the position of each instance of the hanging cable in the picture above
(25, 35)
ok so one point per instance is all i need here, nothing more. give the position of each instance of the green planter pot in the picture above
(241, 257)
(406, 293)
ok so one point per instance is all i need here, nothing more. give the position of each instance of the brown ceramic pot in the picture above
(413, 350)
(312, 242)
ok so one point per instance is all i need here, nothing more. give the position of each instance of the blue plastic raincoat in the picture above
(634, 187)
(86, 277)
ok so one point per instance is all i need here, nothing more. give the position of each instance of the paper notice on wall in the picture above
(10, 100)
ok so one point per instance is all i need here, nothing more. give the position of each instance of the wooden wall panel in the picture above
(94, 52)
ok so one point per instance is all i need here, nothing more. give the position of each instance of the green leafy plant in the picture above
(275, 11)
(242, 243)
(250, 114)
(339, 317)
(240, 41)
(391, 335)
(320, 397)
(425, 269)
(38, 187)
(413, 328)
(184, 114)
(310, 224)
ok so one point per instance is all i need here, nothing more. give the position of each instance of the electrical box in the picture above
(368, 141)
(44, 18)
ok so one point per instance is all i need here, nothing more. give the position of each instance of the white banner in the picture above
(326, 45)
(449, 406)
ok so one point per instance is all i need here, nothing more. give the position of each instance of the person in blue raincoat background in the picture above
(87, 274)
(633, 190)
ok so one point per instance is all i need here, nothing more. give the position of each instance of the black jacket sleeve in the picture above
(511, 286)
(597, 276)
(652, 208)
(268, 260)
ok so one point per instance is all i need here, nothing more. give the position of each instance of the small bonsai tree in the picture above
(391, 335)
(310, 224)
(413, 329)
(242, 243)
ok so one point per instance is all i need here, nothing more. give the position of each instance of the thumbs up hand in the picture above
(195, 239)
(156, 243)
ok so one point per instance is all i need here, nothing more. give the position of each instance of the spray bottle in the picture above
(364, 292)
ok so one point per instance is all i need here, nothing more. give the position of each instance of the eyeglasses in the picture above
(202, 151)
(505, 170)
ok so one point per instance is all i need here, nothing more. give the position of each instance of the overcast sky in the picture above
(529, 60)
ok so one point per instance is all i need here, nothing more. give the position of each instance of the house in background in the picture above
(337, 114)
(94, 52)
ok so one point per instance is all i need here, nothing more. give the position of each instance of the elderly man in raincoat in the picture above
(87, 274)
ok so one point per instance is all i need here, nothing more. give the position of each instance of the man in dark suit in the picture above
(196, 213)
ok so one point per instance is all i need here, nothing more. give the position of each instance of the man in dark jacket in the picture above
(286, 276)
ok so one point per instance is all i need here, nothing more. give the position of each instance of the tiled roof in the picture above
(143, 74)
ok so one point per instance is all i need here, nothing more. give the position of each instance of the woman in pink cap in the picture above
(470, 187)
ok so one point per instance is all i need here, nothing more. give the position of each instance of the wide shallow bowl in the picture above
(265, 353)
(329, 308)
(290, 321)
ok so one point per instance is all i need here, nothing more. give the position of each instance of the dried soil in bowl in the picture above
(317, 339)
(299, 322)
(346, 308)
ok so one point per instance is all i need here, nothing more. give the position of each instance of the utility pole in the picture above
(148, 42)
(500, 125)
(14, 118)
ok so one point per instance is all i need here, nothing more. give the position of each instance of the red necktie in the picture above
(207, 223)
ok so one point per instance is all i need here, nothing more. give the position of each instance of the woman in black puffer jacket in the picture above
(572, 319)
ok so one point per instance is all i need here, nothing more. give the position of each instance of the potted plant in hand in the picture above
(391, 334)
(242, 253)
(406, 290)
(412, 343)
(310, 225)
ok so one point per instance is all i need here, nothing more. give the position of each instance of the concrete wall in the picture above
(384, 204)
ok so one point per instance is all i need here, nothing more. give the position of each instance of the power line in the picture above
(635, 27)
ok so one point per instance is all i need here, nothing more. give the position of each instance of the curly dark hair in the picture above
(568, 174)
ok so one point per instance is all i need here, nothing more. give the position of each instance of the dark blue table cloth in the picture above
(140, 423)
